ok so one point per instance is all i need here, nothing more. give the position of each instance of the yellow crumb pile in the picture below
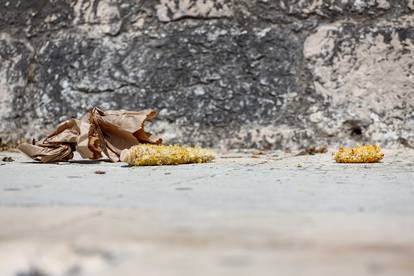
(360, 154)
(152, 155)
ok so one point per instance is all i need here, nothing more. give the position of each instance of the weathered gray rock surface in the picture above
(269, 74)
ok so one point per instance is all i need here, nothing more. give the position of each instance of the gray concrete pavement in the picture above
(244, 213)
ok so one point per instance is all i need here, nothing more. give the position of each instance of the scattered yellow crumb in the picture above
(152, 155)
(360, 154)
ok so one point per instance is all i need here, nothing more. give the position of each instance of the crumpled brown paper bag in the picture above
(95, 133)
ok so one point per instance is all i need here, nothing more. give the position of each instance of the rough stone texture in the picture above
(366, 76)
(268, 74)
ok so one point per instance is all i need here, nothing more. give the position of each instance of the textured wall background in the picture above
(265, 73)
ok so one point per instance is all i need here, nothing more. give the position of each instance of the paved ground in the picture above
(246, 213)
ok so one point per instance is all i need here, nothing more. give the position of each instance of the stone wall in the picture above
(240, 73)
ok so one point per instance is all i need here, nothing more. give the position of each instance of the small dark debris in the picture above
(11, 189)
(313, 150)
(183, 189)
(100, 172)
(167, 173)
(75, 176)
(257, 154)
(7, 159)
